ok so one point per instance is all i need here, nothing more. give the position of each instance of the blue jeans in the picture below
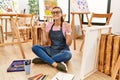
(63, 56)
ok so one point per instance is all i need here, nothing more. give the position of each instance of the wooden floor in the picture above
(12, 52)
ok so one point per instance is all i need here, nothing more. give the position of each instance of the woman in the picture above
(59, 38)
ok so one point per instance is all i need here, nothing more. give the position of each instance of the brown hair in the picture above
(62, 20)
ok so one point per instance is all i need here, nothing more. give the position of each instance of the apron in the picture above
(58, 42)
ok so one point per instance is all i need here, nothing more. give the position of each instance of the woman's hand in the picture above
(68, 27)
(43, 26)
(45, 36)
(68, 34)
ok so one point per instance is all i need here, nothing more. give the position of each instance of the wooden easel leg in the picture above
(74, 31)
(82, 45)
(81, 27)
(1, 36)
(6, 28)
(12, 30)
(18, 37)
(88, 20)
(82, 35)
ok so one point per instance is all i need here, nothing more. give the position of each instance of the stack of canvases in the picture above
(109, 51)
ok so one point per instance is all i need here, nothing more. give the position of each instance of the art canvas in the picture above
(79, 6)
(7, 6)
(49, 4)
(45, 7)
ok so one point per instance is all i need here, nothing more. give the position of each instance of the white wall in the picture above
(23, 4)
(115, 20)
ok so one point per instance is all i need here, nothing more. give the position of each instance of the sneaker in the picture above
(62, 67)
(38, 61)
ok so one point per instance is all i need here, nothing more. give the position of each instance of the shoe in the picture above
(38, 61)
(62, 67)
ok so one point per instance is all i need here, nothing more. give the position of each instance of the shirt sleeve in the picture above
(64, 28)
(48, 26)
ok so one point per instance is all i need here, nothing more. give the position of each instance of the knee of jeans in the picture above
(35, 47)
(68, 55)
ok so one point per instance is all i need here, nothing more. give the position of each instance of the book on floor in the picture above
(16, 65)
(63, 76)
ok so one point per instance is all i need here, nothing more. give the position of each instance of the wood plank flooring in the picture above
(12, 52)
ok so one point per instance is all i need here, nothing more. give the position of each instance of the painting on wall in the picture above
(45, 7)
(79, 6)
(49, 4)
(8, 6)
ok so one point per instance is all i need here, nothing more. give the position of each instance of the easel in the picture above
(81, 27)
(14, 31)
(48, 18)
(6, 19)
(1, 35)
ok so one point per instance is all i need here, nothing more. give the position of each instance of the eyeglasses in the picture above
(57, 12)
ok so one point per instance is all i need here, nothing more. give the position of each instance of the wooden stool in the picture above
(37, 35)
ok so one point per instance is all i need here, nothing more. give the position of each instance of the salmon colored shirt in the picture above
(49, 25)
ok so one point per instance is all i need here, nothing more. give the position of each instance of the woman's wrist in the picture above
(68, 33)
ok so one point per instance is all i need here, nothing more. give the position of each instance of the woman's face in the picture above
(56, 13)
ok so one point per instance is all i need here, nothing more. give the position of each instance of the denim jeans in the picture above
(63, 56)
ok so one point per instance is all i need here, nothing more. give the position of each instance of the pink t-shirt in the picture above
(49, 25)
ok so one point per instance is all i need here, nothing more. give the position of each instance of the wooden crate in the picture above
(109, 51)
(116, 49)
(108, 54)
(102, 52)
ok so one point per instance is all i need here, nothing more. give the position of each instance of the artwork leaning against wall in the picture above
(9, 6)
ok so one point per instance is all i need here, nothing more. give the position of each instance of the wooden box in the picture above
(109, 51)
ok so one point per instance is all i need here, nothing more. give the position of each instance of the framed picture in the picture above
(45, 7)
(97, 6)
(79, 6)
(8, 6)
